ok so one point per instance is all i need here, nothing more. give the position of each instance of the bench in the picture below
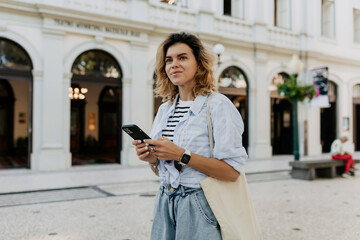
(309, 170)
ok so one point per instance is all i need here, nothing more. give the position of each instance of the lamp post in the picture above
(218, 50)
(295, 66)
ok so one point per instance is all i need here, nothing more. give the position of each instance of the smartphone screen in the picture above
(135, 132)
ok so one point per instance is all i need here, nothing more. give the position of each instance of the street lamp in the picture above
(218, 50)
(295, 66)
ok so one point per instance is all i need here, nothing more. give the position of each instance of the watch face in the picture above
(185, 158)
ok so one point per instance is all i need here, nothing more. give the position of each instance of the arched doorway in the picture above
(157, 100)
(6, 118)
(96, 115)
(281, 118)
(234, 84)
(328, 119)
(356, 116)
(15, 105)
(109, 122)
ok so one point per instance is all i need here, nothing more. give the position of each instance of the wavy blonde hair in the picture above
(204, 78)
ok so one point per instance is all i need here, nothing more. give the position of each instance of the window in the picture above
(232, 77)
(13, 56)
(282, 14)
(356, 91)
(357, 25)
(96, 63)
(328, 18)
(234, 8)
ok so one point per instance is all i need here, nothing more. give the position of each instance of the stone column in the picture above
(259, 124)
(36, 118)
(66, 116)
(137, 109)
(259, 107)
(50, 119)
(314, 129)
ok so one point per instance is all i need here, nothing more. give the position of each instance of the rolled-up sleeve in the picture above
(228, 128)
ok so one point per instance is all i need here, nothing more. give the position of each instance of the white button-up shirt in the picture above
(192, 133)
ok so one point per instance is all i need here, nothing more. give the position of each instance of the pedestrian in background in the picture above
(338, 153)
(179, 151)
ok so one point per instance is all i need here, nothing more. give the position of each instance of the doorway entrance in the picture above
(356, 116)
(328, 119)
(95, 109)
(234, 84)
(6, 118)
(281, 118)
(15, 105)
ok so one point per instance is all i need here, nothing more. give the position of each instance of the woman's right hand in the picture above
(143, 152)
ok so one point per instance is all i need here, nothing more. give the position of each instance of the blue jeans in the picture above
(183, 214)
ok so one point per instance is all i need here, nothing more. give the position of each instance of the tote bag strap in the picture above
(209, 124)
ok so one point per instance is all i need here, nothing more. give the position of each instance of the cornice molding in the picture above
(318, 56)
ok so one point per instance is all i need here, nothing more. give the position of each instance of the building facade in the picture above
(73, 71)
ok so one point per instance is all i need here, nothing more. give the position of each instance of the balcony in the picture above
(283, 38)
(108, 7)
(233, 28)
(165, 15)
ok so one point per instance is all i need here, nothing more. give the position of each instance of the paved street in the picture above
(286, 209)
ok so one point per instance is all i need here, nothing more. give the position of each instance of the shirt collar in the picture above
(195, 107)
(172, 107)
(198, 103)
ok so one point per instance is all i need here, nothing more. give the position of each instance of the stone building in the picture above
(73, 71)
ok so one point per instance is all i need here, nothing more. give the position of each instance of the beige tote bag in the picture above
(231, 202)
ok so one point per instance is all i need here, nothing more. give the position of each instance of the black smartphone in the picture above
(135, 132)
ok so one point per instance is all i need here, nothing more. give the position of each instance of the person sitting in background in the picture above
(338, 153)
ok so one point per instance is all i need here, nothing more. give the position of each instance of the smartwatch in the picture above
(185, 158)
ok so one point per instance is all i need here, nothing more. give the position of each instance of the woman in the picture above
(179, 151)
(338, 153)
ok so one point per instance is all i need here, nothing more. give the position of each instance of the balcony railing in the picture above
(119, 7)
(233, 27)
(283, 38)
(165, 15)
(113, 7)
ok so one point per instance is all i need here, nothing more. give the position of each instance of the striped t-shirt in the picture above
(181, 110)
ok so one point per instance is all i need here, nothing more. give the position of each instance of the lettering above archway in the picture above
(97, 28)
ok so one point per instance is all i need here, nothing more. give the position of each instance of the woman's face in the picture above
(181, 65)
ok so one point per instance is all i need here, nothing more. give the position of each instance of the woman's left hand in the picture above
(165, 149)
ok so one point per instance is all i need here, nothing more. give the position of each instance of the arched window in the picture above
(99, 75)
(13, 56)
(96, 64)
(233, 77)
(233, 84)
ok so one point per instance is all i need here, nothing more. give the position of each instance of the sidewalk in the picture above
(24, 180)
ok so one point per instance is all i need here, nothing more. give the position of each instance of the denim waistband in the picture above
(180, 190)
